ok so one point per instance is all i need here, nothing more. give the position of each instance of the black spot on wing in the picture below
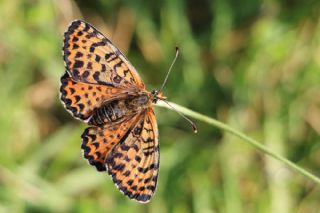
(78, 64)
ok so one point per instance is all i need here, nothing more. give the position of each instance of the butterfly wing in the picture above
(82, 99)
(98, 142)
(134, 162)
(92, 58)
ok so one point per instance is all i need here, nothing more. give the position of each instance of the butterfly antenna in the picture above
(166, 78)
(194, 127)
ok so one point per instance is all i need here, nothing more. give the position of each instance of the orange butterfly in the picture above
(101, 88)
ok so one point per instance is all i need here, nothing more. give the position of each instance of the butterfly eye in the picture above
(154, 97)
(154, 92)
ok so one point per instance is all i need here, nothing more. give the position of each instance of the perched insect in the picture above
(101, 88)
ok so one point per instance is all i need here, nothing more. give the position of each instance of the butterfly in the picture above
(101, 88)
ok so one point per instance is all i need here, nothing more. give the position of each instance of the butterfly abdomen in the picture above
(116, 110)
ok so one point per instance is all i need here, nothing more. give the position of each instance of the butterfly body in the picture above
(101, 88)
(114, 111)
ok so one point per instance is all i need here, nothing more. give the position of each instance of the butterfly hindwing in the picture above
(92, 58)
(98, 142)
(81, 99)
(134, 163)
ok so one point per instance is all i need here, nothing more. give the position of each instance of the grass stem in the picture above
(258, 145)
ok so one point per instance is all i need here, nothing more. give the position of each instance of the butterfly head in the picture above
(156, 95)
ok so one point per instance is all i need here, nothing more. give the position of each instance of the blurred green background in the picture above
(253, 64)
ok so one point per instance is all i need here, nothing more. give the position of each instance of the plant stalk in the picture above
(256, 144)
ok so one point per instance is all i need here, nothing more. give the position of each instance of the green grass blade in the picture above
(258, 145)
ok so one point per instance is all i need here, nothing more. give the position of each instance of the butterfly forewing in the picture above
(134, 163)
(91, 58)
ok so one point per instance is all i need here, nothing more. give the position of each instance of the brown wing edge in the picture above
(67, 102)
(142, 198)
(70, 30)
(86, 150)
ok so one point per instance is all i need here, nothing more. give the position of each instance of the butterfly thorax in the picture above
(118, 109)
